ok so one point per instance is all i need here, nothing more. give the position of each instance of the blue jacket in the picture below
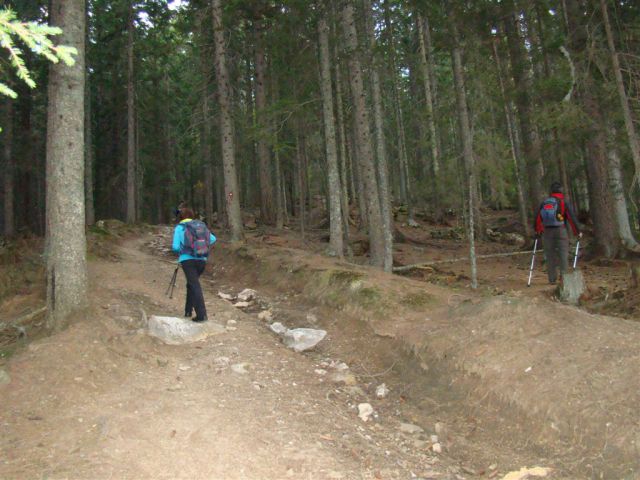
(178, 240)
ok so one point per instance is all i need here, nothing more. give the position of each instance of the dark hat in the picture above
(556, 187)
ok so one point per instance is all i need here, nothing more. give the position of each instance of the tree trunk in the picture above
(333, 174)
(131, 131)
(634, 144)
(426, 58)
(600, 200)
(205, 131)
(363, 139)
(9, 170)
(405, 179)
(381, 150)
(523, 104)
(345, 178)
(65, 236)
(467, 143)
(515, 146)
(88, 141)
(232, 200)
(301, 183)
(264, 155)
(617, 190)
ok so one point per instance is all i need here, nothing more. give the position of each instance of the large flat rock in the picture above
(178, 331)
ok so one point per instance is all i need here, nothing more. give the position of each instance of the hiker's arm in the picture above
(178, 237)
(571, 219)
(538, 227)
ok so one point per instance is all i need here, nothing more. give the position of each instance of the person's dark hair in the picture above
(186, 212)
(556, 187)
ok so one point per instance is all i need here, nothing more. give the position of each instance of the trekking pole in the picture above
(575, 257)
(172, 283)
(533, 259)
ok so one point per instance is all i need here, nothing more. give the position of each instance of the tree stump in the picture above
(571, 287)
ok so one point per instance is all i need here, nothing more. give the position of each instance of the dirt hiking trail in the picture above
(103, 401)
(474, 391)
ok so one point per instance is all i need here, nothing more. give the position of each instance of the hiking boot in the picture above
(199, 320)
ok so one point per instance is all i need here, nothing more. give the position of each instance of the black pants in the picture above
(195, 300)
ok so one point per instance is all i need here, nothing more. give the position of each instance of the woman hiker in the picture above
(192, 240)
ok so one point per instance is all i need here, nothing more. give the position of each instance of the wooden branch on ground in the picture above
(406, 268)
(28, 316)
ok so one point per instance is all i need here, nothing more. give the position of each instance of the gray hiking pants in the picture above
(556, 251)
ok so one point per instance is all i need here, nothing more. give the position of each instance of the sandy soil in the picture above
(104, 401)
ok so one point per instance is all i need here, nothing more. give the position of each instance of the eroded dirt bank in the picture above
(528, 375)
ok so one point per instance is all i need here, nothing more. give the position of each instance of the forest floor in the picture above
(504, 378)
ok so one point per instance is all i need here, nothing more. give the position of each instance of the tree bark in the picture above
(426, 58)
(363, 138)
(65, 233)
(467, 142)
(515, 146)
(335, 188)
(346, 175)
(523, 104)
(232, 201)
(131, 119)
(381, 150)
(620, 202)
(600, 200)
(205, 131)
(264, 155)
(634, 144)
(9, 170)
(90, 215)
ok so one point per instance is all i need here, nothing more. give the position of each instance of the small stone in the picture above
(382, 391)
(247, 295)
(354, 391)
(225, 296)
(278, 328)
(311, 318)
(231, 322)
(341, 366)
(184, 368)
(222, 361)
(410, 428)
(365, 410)
(241, 304)
(436, 447)
(320, 371)
(342, 378)
(265, 315)
(240, 368)
(434, 439)
(231, 329)
(5, 379)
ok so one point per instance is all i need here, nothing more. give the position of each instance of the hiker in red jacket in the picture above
(554, 214)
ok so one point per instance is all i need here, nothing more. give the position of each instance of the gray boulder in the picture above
(178, 331)
(301, 339)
